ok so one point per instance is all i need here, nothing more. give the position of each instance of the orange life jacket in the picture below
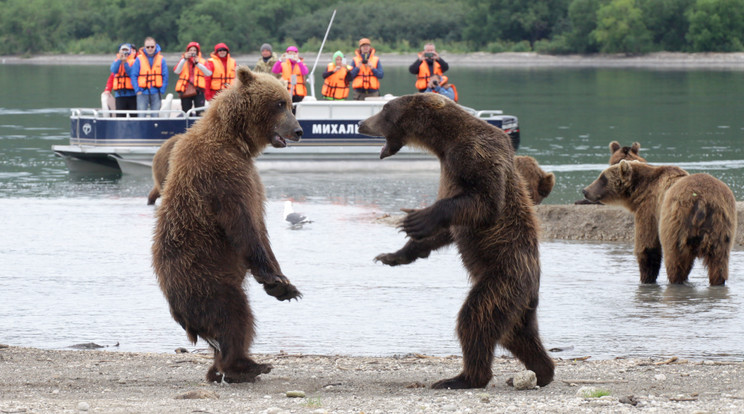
(449, 85)
(185, 75)
(222, 79)
(422, 82)
(150, 76)
(287, 71)
(122, 79)
(365, 79)
(335, 85)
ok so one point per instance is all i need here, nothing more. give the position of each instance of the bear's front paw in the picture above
(419, 224)
(282, 291)
(392, 259)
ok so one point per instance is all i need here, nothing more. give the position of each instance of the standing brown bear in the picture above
(210, 226)
(482, 207)
(539, 183)
(684, 216)
(160, 164)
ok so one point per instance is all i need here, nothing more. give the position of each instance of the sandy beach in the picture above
(660, 60)
(46, 381)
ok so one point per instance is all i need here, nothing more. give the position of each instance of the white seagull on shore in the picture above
(296, 220)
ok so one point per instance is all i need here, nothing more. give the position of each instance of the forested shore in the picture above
(555, 27)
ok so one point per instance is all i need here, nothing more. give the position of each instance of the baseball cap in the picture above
(364, 41)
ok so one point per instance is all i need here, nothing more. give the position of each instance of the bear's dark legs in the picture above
(678, 265)
(649, 262)
(717, 268)
(526, 345)
(154, 194)
(416, 249)
(479, 326)
(233, 333)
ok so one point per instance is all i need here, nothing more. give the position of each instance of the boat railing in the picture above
(130, 114)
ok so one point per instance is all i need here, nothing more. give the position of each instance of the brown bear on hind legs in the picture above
(160, 163)
(483, 208)
(210, 226)
(680, 215)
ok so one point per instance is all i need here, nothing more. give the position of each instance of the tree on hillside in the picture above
(620, 28)
(513, 20)
(717, 26)
(667, 21)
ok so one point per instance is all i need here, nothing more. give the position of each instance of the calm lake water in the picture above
(75, 256)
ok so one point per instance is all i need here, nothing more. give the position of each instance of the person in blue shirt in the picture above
(435, 85)
(124, 95)
(149, 76)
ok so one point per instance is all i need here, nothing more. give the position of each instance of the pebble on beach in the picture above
(296, 394)
(525, 380)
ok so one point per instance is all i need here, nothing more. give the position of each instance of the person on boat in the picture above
(366, 71)
(267, 61)
(337, 77)
(191, 71)
(149, 76)
(293, 72)
(223, 68)
(125, 97)
(428, 63)
(438, 84)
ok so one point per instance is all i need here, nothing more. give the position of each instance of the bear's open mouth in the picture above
(277, 141)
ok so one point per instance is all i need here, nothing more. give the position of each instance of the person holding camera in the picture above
(124, 96)
(191, 71)
(428, 63)
(438, 84)
(293, 71)
(267, 61)
(337, 77)
(366, 71)
(223, 68)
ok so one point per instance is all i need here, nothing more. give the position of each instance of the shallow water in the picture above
(75, 256)
(77, 270)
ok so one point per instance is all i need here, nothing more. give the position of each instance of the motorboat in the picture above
(106, 141)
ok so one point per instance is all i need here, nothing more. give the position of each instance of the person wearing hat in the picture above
(192, 72)
(428, 63)
(150, 76)
(124, 96)
(223, 69)
(267, 61)
(366, 71)
(337, 77)
(293, 72)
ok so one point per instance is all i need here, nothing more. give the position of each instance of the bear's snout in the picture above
(298, 133)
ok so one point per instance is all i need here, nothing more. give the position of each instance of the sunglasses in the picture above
(149, 47)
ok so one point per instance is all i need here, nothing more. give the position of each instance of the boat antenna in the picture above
(311, 77)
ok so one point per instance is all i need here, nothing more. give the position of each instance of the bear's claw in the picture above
(282, 291)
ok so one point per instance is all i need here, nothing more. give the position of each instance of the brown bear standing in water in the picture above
(617, 154)
(160, 163)
(684, 216)
(483, 208)
(539, 183)
(631, 153)
(210, 228)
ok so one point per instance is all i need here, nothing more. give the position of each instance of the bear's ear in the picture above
(635, 147)
(614, 146)
(625, 169)
(547, 182)
(245, 75)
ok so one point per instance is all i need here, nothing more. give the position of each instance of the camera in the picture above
(435, 83)
(429, 54)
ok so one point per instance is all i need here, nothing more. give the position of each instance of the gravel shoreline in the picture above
(53, 381)
(660, 60)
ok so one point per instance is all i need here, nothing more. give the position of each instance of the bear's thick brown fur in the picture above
(680, 215)
(210, 228)
(160, 163)
(631, 153)
(617, 154)
(483, 208)
(539, 183)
